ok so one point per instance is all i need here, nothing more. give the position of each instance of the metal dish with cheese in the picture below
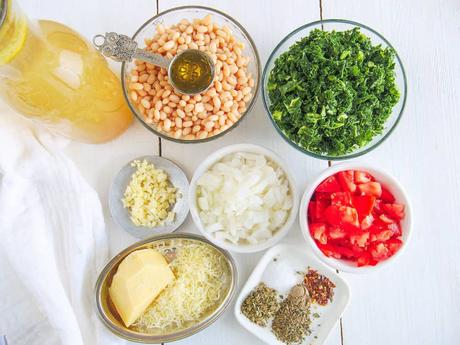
(153, 291)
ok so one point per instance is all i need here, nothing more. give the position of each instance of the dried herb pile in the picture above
(261, 304)
(292, 320)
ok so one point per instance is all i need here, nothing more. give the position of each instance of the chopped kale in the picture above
(332, 91)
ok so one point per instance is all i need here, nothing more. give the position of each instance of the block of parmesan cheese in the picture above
(139, 279)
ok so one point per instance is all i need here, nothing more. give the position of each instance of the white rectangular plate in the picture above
(280, 269)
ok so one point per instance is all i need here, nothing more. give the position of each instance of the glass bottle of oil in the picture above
(51, 74)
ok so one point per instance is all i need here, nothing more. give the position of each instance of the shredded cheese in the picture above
(149, 196)
(198, 287)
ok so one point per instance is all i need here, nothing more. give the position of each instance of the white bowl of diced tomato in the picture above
(355, 217)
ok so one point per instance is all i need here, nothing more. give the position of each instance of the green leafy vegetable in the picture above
(332, 91)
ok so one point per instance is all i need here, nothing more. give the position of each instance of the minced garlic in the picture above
(149, 196)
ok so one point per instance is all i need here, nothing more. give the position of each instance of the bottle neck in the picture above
(13, 30)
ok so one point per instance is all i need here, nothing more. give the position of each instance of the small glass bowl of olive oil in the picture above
(191, 72)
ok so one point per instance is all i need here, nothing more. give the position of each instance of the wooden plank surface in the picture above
(415, 301)
(267, 22)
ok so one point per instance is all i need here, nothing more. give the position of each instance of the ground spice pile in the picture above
(292, 320)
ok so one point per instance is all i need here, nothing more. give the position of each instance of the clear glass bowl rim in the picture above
(256, 86)
(352, 154)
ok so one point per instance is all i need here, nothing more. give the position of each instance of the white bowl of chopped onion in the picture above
(243, 198)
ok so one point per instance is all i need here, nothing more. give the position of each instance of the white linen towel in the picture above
(52, 243)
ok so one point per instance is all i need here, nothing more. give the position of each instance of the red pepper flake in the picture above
(321, 289)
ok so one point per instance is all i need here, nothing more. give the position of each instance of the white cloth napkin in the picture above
(52, 242)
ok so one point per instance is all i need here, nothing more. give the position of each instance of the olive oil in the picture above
(191, 72)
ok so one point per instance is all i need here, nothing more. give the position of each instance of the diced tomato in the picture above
(389, 226)
(362, 177)
(329, 185)
(343, 251)
(360, 240)
(336, 232)
(329, 251)
(341, 199)
(318, 230)
(376, 227)
(326, 197)
(384, 218)
(352, 216)
(394, 210)
(351, 228)
(311, 212)
(349, 215)
(394, 244)
(379, 251)
(367, 222)
(366, 259)
(316, 210)
(346, 180)
(382, 236)
(357, 249)
(378, 209)
(395, 228)
(370, 188)
(363, 260)
(364, 204)
(320, 208)
(332, 215)
(341, 216)
(387, 196)
(336, 251)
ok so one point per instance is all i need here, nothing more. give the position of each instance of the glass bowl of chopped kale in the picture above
(334, 89)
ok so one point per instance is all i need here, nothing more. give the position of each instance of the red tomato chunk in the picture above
(352, 216)
(329, 185)
(346, 180)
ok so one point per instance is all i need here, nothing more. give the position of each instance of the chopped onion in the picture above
(244, 198)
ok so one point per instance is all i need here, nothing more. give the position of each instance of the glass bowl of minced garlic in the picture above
(149, 196)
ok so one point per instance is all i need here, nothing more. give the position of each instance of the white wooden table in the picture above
(415, 301)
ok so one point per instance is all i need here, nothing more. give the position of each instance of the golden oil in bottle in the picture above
(191, 72)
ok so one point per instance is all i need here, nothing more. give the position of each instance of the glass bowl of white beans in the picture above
(212, 113)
